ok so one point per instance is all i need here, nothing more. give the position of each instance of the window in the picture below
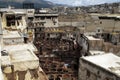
(10, 20)
(98, 30)
(42, 18)
(88, 73)
(48, 17)
(30, 11)
(100, 22)
(12, 40)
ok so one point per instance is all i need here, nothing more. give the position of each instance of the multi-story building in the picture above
(107, 22)
(45, 20)
(14, 18)
(18, 60)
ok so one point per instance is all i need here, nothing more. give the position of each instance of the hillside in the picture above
(18, 3)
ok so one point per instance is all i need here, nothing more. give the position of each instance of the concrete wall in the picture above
(78, 24)
(31, 74)
(104, 46)
(46, 22)
(1, 31)
(22, 23)
(106, 24)
(13, 41)
(3, 21)
(49, 23)
(109, 25)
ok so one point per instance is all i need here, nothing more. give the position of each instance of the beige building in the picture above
(12, 37)
(105, 22)
(45, 20)
(99, 67)
(77, 20)
(14, 19)
(18, 60)
(102, 45)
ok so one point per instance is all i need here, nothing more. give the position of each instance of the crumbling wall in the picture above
(96, 44)
(100, 45)
(31, 74)
(21, 75)
(109, 47)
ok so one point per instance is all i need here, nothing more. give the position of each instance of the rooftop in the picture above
(13, 11)
(24, 60)
(106, 15)
(93, 52)
(92, 38)
(46, 14)
(11, 34)
(22, 55)
(23, 46)
(108, 62)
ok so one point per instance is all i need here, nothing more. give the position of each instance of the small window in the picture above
(48, 34)
(13, 41)
(42, 18)
(100, 22)
(88, 73)
(30, 11)
(48, 17)
(98, 30)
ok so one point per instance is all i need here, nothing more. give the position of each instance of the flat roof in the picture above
(108, 62)
(46, 14)
(13, 11)
(95, 52)
(92, 38)
(23, 60)
(22, 56)
(106, 15)
(11, 34)
(23, 46)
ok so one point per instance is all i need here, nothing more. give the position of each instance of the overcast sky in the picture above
(82, 2)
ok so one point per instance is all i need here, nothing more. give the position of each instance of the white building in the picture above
(100, 67)
(12, 37)
(14, 18)
(17, 59)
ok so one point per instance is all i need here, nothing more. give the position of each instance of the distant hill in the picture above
(19, 3)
